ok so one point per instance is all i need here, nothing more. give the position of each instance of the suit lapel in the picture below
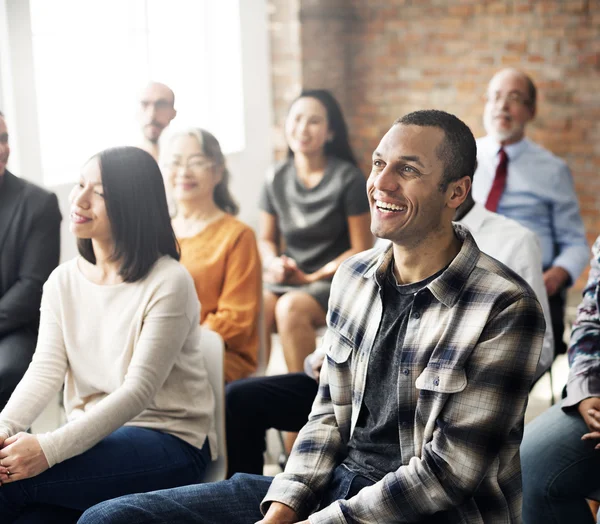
(10, 193)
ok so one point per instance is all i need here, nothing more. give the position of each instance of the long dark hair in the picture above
(136, 205)
(212, 149)
(339, 146)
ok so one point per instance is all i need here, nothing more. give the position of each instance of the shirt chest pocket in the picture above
(339, 351)
(442, 380)
(435, 386)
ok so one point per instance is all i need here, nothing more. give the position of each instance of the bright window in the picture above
(92, 57)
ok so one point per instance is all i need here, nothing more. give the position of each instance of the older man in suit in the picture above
(29, 251)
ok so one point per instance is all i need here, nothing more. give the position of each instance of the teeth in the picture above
(391, 207)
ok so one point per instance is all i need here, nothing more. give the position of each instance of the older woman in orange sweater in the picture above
(218, 250)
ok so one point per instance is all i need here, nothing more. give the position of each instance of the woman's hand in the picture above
(283, 270)
(21, 457)
(275, 271)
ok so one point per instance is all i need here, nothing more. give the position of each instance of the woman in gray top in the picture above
(315, 204)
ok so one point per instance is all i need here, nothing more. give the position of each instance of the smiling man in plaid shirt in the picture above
(431, 348)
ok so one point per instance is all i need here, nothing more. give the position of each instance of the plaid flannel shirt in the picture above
(471, 348)
(584, 348)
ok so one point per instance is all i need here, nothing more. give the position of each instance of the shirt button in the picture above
(417, 315)
(436, 382)
(405, 371)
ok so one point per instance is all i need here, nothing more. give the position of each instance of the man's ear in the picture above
(458, 191)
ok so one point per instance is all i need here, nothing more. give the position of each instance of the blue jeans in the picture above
(130, 460)
(232, 501)
(559, 469)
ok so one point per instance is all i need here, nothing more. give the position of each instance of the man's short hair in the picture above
(457, 151)
(1, 114)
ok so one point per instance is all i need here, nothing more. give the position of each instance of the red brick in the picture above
(383, 58)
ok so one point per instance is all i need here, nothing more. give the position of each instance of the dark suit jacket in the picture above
(29, 250)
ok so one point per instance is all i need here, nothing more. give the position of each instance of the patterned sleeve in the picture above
(584, 349)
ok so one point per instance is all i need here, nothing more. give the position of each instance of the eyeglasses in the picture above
(513, 98)
(195, 166)
(159, 105)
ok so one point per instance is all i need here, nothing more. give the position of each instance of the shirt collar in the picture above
(512, 150)
(473, 220)
(448, 286)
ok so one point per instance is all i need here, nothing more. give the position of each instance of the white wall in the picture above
(18, 100)
(249, 167)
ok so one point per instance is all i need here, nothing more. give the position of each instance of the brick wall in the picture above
(384, 58)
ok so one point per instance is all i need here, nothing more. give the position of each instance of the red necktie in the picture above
(499, 182)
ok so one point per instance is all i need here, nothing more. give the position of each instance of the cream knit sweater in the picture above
(128, 354)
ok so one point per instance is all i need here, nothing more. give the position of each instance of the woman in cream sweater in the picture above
(120, 328)
(218, 250)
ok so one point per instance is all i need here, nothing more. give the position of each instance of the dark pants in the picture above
(16, 351)
(130, 460)
(557, 316)
(233, 501)
(256, 404)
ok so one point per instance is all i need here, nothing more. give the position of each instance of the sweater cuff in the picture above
(292, 493)
(45, 441)
(581, 386)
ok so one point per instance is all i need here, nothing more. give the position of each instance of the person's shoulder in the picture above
(234, 228)
(31, 192)
(361, 263)
(507, 227)
(63, 274)
(496, 280)
(167, 272)
(543, 155)
(279, 170)
(34, 191)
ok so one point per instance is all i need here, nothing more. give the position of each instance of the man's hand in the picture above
(589, 409)
(554, 279)
(280, 514)
(21, 458)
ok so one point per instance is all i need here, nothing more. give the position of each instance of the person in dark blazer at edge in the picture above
(29, 251)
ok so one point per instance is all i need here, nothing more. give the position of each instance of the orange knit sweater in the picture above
(224, 262)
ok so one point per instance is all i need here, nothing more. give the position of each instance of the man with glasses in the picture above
(155, 112)
(523, 181)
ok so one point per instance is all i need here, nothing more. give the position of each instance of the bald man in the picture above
(155, 112)
(523, 181)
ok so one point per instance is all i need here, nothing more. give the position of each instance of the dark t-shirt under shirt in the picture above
(374, 448)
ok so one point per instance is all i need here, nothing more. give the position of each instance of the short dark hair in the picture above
(339, 146)
(136, 205)
(458, 150)
(1, 114)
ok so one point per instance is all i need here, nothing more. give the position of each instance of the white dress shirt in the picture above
(518, 248)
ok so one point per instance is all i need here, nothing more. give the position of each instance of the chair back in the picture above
(213, 350)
